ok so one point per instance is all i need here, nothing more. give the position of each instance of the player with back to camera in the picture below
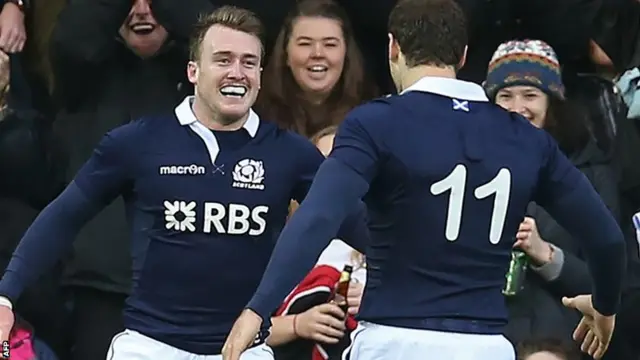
(207, 188)
(446, 176)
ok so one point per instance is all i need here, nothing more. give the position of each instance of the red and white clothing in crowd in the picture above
(316, 289)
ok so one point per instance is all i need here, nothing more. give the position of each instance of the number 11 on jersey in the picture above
(455, 183)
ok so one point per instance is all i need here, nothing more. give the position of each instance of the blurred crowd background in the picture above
(72, 70)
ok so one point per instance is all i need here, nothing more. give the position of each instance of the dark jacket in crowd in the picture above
(619, 138)
(537, 311)
(617, 32)
(32, 168)
(100, 85)
(566, 25)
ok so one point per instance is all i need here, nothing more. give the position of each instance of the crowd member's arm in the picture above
(565, 274)
(282, 330)
(561, 272)
(99, 181)
(572, 201)
(305, 313)
(13, 34)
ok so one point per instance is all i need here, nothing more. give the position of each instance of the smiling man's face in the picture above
(140, 30)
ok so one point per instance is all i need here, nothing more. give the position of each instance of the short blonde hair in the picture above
(228, 16)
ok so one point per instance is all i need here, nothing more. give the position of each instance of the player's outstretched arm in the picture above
(341, 182)
(50, 236)
(334, 195)
(46, 240)
(573, 202)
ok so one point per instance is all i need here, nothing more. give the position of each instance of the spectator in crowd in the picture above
(114, 61)
(546, 349)
(525, 77)
(32, 166)
(18, 22)
(315, 74)
(307, 325)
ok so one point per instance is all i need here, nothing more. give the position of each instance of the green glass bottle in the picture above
(516, 273)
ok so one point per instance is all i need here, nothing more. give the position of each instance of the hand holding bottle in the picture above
(529, 241)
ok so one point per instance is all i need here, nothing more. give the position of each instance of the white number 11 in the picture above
(456, 181)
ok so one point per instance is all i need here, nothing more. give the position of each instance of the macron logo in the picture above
(192, 169)
(180, 215)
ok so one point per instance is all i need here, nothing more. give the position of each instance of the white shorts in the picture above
(131, 345)
(379, 342)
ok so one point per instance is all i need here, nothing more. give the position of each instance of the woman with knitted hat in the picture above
(524, 76)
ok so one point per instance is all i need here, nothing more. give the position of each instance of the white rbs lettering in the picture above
(240, 219)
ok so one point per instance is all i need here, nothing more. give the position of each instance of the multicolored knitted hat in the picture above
(524, 62)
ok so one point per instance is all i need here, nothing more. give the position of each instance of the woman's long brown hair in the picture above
(281, 99)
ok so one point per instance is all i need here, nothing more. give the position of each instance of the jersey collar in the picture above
(448, 87)
(185, 116)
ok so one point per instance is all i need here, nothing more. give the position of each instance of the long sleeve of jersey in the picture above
(354, 229)
(336, 193)
(51, 235)
(573, 202)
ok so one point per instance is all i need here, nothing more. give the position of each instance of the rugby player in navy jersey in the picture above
(446, 177)
(207, 190)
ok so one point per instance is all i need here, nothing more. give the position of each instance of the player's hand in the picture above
(595, 330)
(354, 296)
(322, 323)
(6, 322)
(528, 240)
(242, 335)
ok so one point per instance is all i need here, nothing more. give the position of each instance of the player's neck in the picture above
(412, 75)
(210, 118)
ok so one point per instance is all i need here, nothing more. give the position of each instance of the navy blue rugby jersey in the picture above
(446, 177)
(204, 220)
(205, 209)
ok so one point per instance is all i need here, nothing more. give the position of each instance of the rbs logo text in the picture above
(234, 219)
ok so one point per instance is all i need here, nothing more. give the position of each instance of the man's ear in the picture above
(394, 48)
(463, 60)
(192, 71)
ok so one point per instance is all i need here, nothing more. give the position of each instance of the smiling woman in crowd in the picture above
(525, 77)
(315, 74)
